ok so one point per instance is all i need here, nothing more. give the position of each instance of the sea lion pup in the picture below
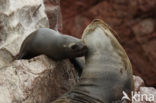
(51, 43)
(108, 71)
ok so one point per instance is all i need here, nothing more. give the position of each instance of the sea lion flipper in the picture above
(19, 56)
(78, 64)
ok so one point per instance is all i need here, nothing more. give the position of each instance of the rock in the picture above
(142, 94)
(143, 32)
(5, 57)
(150, 50)
(145, 27)
(38, 80)
(16, 23)
(150, 93)
(141, 7)
(54, 17)
(138, 82)
(54, 14)
(18, 20)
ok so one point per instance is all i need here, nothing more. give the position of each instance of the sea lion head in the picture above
(74, 47)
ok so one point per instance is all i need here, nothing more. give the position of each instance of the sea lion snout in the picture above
(79, 46)
(75, 46)
(77, 49)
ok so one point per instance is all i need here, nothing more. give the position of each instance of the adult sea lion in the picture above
(51, 43)
(108, 71)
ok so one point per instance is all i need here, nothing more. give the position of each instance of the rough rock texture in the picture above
(21, 17)
(138, 82)
(18, 18)
(38, 80)
(5, 57)
(52, 9)
(144, 94)
(134, 21)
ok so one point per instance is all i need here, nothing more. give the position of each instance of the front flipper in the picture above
(79, 64)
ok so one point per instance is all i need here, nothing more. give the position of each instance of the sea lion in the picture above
(107, 72)
(51, 43)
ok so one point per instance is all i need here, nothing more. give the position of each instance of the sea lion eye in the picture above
(74, 46)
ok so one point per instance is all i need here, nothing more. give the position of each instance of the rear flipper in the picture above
(19, 56)
(24, 56)
(79, 64)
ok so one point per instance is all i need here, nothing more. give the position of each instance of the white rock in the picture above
(150, 92)
(18, 18)
(39, 80)
(143, 94)
(138, 82)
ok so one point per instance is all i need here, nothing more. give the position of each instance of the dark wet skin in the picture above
(51, 43)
